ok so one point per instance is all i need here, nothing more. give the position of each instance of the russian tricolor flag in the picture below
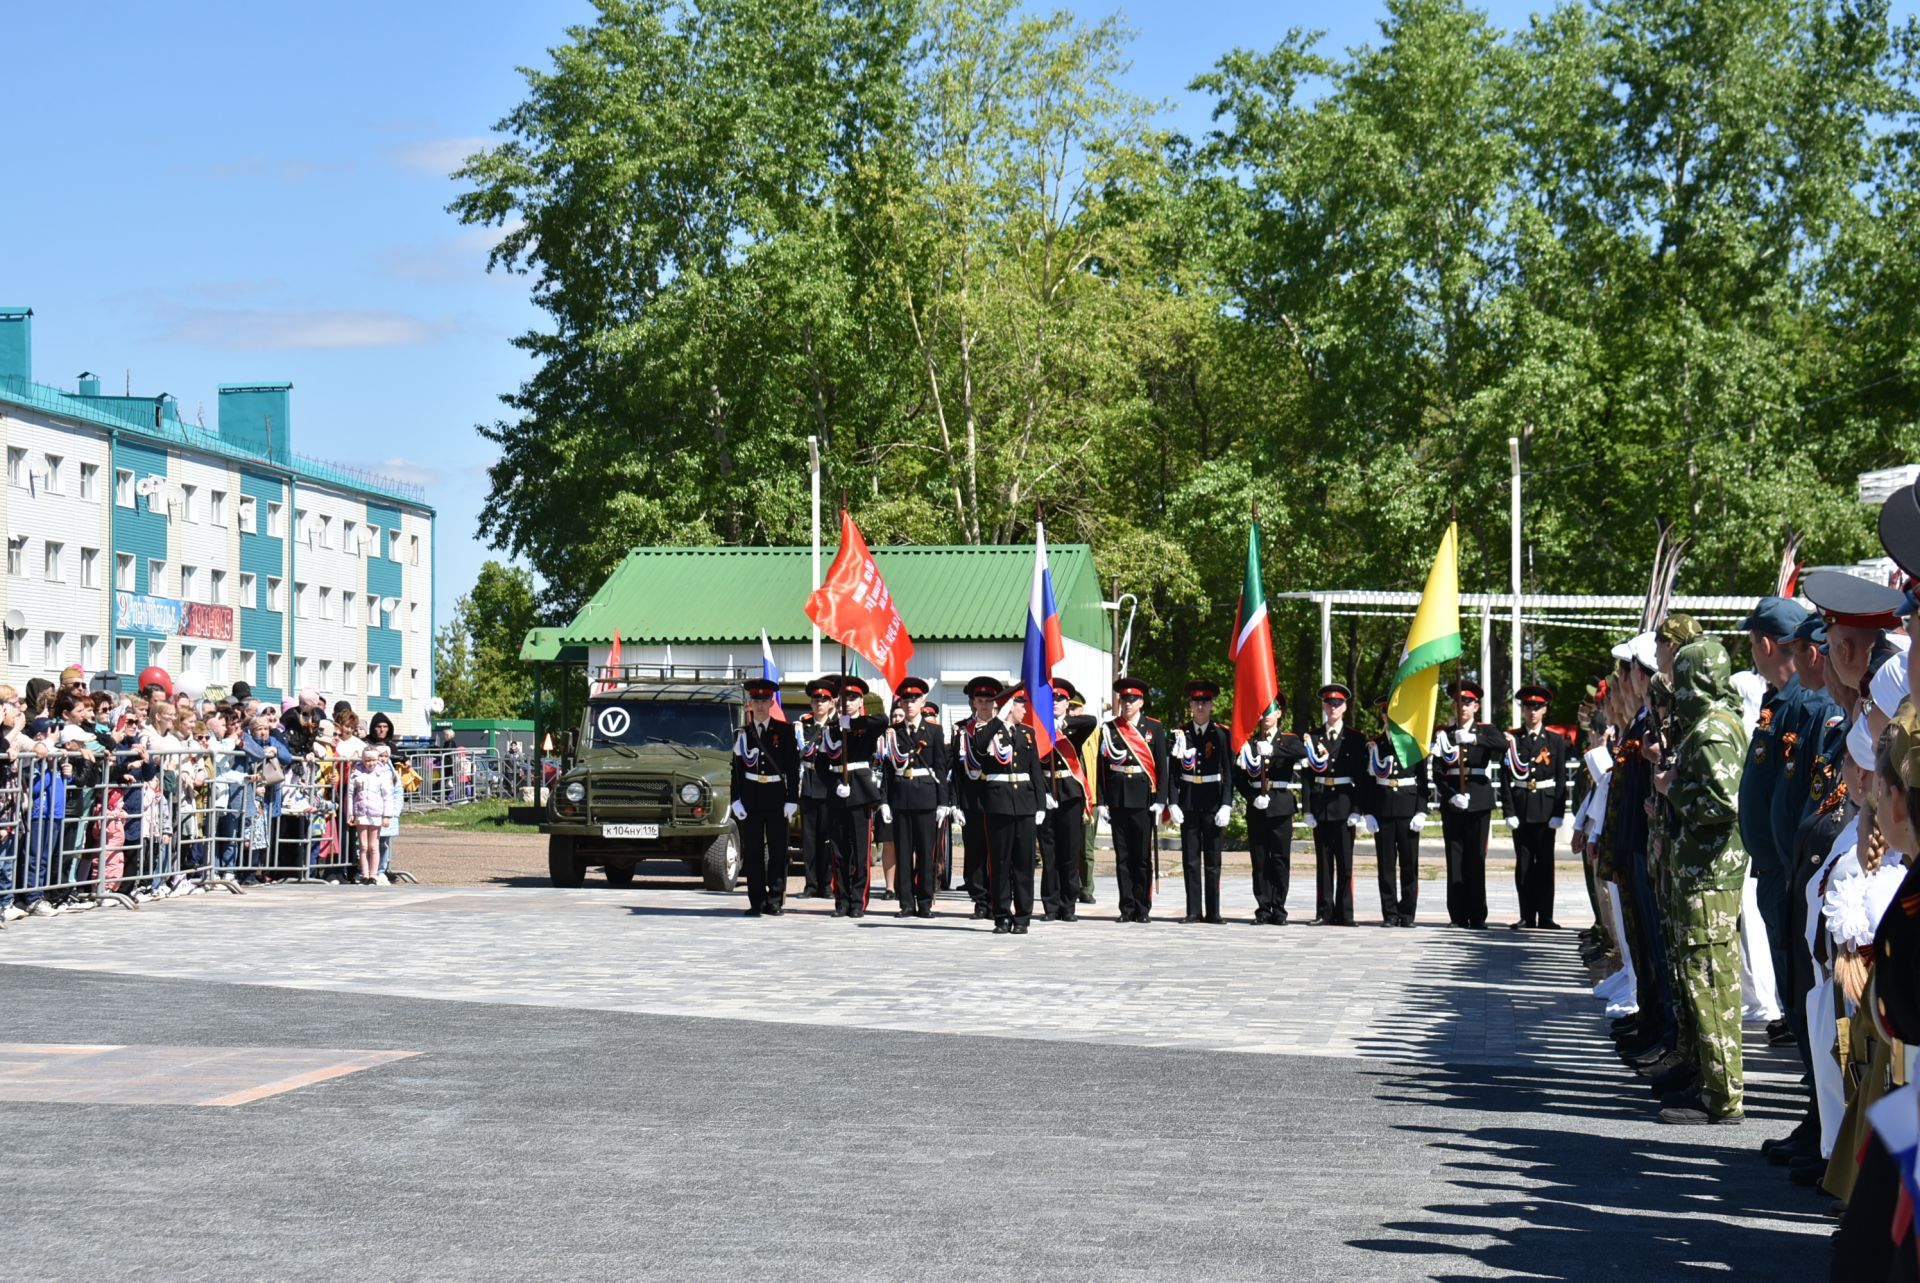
(1044, 648)
(771, 671)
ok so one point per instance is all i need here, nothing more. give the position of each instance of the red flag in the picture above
(1255, 686)
(611, 673)
(854, 607)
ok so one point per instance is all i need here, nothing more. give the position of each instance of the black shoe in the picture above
(903, 913)
(1687, 1097)
(1390, 921)
(980, 913)
(884, 893)
(1215, 920)
(1069, 916)
(839, 912)
(1692, 1117)
(858, 913)
(1671, 1081)
(1784, 1152)
(1143, 918)
(1191, 917)
(1019, 928)
(1666, 1063)
(753, 913)
(1406, 922)
(1780, 1034)
(1086, 897)
(1624, 1023)
(1002, 928)
(777, 911)
(923, 913)
(1278, 920)
(1808, 1173)
(1518, 926)
(1477, 926)
(1547, 924)
(1316, 922)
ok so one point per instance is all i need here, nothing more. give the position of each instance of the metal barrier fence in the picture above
(84, 827)
(453, 776)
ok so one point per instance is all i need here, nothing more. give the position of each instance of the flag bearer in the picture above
(1460, 768)
(844, 763)
(1062, 835)
(1394, 797)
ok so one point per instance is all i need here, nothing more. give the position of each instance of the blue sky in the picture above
(218, 192)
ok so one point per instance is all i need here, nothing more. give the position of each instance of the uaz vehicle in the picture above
(651, 780)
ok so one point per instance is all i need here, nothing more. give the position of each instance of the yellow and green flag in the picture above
(1432, 641)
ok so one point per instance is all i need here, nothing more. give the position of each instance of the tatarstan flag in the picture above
(1432, 641)
(1255, 687)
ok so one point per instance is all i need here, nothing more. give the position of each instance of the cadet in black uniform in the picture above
(1263, 772)
(1336, 761)
(816, 856)
(914, 769)
(1134, 789)
(1202, 756)
(963, 773)
(1535, 804)
(844, 760)
(766, 793)
(1459, 766)
(1062, 836)
(1394, 797)
(1010, 808)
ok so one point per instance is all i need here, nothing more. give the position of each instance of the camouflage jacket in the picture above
(1703, 836)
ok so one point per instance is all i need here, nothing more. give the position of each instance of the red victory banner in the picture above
(854, 608)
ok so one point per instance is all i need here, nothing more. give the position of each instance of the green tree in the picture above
(477, 652)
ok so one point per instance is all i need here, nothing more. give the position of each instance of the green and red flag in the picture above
(1255, 685)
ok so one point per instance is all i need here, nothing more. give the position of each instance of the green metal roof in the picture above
(542, 646)
(949, 593)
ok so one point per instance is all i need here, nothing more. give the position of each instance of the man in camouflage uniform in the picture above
(1705, 868)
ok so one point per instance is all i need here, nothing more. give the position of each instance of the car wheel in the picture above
(564, 865)
(619, 875)
(720, 868)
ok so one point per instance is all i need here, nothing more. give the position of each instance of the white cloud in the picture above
(438, 156)
(450, 260)
(281, 329)
(415, 474)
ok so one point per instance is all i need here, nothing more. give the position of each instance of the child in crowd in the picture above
(370, 795)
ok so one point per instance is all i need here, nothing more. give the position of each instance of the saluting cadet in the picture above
(963, 772)
(1134, 791)
(914, 769)
(844, 760)
(1336, 760)
(1068, 806)
(816, 855)
(1460, 767)
(1394, 798)
(1534, 805)
(1010, 808)
(1202, 755)
(1263, 772)
(766, 793)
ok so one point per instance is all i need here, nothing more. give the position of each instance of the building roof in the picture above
(945, 593)
(134, 416)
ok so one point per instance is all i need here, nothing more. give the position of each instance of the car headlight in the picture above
(689, 793)
(576, 792)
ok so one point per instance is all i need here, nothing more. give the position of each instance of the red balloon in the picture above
(156, 676)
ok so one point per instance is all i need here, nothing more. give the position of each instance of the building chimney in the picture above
(256, 417)
(16, 343)
(89, 383)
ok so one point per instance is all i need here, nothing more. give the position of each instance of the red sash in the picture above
(1137, 745)
(1066, 750)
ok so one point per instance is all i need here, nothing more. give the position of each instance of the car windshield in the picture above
(633, 723)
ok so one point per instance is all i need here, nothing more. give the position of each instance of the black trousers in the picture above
(1397, 847)
(1062, 844)
(1133, 860)
(763, 850)
(973, 858)
(1270, 843)
(915, 841)
(1200, 865)
(816, 854)
(1333, 881)
(848, 834)
(1465, 833)
(1533, 872)
(1010, 843)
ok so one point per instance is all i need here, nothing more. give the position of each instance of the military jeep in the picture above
(651, 780)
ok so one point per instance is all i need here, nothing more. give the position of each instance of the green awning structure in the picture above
(543, 646)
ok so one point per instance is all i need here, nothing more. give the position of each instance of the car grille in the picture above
(624, 793)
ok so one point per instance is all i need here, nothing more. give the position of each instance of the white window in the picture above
(326, 603)
(275, 599)
(189, 657)
(349, 536)
(303, 527)
(413, 681)
(247, 590)
(89, 652)
(54, 469)
(413, 550)
(123, 654)
(373, 680)
(393, 545)
(123, 571)
(217, 662)
(300, 602)
(190, 582)
(247, 659)
(217, 587)
(326, 531)
(349, 673)
(393, 683)
(16, 650)
(156, 653)
(326, 677)
(273, 670)
(123, 487)
(190, 502)
(89, 481)
(16, 555)
(55, 559)
(300, 672)
(16, 466)
(89, 572)
(276, 520)
(249, 515)
(217, 507)
(55, 643)
(156, 577)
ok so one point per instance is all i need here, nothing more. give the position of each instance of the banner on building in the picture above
(169, 616)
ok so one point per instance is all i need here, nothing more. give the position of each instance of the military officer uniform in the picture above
(914, 775)
(1336, 763)
(1263, 772)
(1460, 769)
(1010, 808)
(964, 799)
(1202, 757)
(766, 793)
(1535, 805)
(1134, 790)
(844, 760)
(1394, 798)
(1062, 834)
(816, 854)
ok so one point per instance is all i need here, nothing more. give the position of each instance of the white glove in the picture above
(1459, 801)
(842, 790)
(939, 816)
(1179, 743)
(1264, 748)
(1443, 742)
(1221, 816)
(1511, 821)
(1101, 811)
(1175, 815)
(846, 721)
(958, 816)
(1353, 820)
(1373, 824)
(1556, 821)
(1040, 816)
(886, 813)
(1418, 822)
(739, 809)
(1261, 801)
(790, 810)
(1053, 803)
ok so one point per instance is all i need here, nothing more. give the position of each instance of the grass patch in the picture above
(489, 815)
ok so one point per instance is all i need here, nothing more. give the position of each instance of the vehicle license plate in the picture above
(629, 830)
